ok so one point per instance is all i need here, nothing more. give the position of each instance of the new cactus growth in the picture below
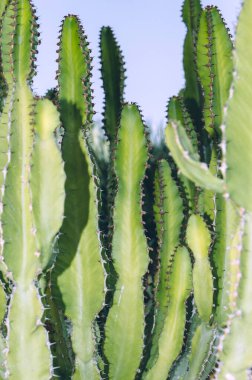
(99, 280)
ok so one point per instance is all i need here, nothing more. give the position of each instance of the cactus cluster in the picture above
(122, 260)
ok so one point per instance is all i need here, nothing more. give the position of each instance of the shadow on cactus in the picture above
(119, 260)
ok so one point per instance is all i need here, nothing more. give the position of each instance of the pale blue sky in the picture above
(150, 33)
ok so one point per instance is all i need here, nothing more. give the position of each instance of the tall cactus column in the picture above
(78, 268)
(125, 324)
(27, 352)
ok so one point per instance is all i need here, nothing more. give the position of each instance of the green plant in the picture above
(124, 261)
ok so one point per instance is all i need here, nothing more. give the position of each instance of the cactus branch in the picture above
(188, 160)
(124, 335)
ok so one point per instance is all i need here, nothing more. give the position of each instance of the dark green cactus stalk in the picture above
(113, 77)
(214, 62)
(193, 96)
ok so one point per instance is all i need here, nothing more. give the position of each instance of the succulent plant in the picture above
(120, 261)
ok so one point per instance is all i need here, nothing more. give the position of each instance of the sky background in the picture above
(150, 33)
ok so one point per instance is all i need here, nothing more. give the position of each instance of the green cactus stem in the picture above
(47, 168)
(234, 349)
(238, 120)
(178, 112)
(113, 77)
(3, 87)
(188, 160)
(3, 5)
(124, 335)
(28, 353)
(78, 268)
(202, 350)
(193, 96)
(171, 338)
(207, 198)
(199, 241)
(215, 66)
(226, 257)
(168, 211)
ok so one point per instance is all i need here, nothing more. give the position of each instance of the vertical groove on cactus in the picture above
(27, 333)
(113, 77)
(193, 97)
(171, 339)
(215, 66)
(168, 211)
(124, 335)
(78, 268)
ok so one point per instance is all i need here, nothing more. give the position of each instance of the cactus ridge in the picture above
(214, 62)
(191, 12)
(113, 77)
(169, 215)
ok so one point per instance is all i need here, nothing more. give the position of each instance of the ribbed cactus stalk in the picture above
(171, 338)
(191, 12)
(169, 216)
(124, 335)
(78, 270)
(113, 77)
(20, 250)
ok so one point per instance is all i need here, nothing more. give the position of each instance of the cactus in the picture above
(232, 251)
(124, 336)
(171, 338)
(78, 267)
(89, 289)
(191, 12)
(113, 76)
